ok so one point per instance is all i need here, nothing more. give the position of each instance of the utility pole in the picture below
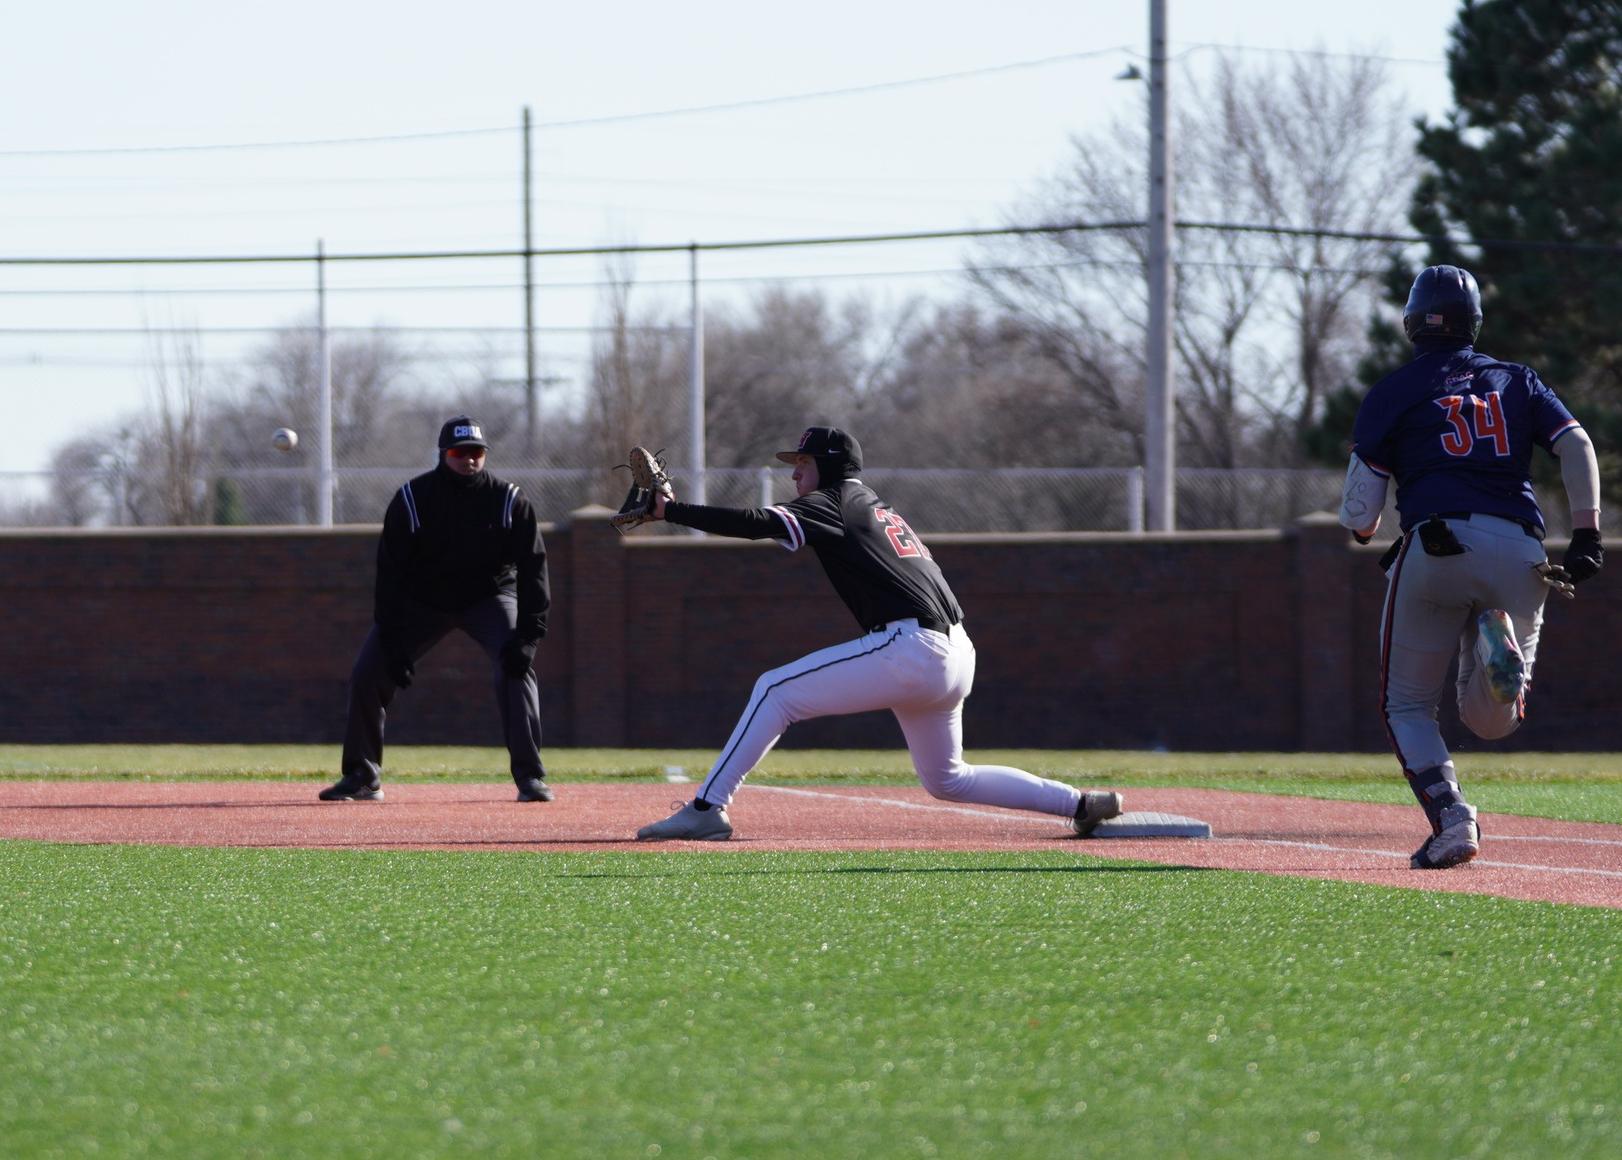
(323, 418)
(1160, 424)
(696, 452)
(531, 403)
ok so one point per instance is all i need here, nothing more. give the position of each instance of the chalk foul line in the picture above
(1039, 819)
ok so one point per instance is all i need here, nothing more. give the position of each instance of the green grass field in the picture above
(168, 1001)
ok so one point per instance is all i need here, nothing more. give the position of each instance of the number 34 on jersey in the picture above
(1474, 419)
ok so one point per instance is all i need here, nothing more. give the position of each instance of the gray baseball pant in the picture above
(1431, 606)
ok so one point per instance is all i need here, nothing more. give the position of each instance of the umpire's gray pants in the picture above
(371, 689)
(1431, 605)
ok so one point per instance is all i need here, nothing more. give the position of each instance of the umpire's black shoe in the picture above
(534, 789)
(346, 790)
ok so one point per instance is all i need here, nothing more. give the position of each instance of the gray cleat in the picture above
(534, 789)
(689, 825)
(1095, 806)
(1458, 842)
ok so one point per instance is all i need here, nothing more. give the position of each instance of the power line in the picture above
(117, 150)
(570, 251)
(581, 122)
(819, 94)
(149, 331)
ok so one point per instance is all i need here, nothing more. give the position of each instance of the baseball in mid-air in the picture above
(285, 439)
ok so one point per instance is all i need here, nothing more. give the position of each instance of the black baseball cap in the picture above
(461, 431)
(826, 443)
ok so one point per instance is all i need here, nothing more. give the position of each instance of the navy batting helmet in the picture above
(1444, 303)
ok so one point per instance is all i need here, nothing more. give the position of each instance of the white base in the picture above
(1151, 825)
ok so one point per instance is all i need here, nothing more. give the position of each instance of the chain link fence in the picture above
(1014, 499)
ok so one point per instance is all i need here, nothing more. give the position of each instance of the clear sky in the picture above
(954, 111)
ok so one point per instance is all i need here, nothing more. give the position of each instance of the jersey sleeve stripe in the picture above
(1382, 472)
(1564, 428)
(507, 508)
(795, 540)
(411, 506)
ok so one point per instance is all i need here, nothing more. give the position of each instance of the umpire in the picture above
(460, 549)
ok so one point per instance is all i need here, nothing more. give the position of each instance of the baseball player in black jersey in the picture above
(460, 549)
(913, 656)
(1456, 428)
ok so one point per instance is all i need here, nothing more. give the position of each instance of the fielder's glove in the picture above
(648, 483)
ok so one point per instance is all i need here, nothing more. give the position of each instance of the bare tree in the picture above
(773, 364)
(1266, 319)
(638, 379)
(788, 359)
(172, 440)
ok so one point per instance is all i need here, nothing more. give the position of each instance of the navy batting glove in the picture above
(1585, 556)
(517, 655)
(1389, 556)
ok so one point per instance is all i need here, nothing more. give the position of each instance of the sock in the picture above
(1436, 788)
(700, 804)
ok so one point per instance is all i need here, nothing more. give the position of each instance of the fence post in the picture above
(1134, 499)
(323, 419)
(1325, 630)
(764, 478)
(596, 618)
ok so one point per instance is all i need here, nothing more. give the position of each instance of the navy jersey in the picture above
(1456, 429)
(878, 565)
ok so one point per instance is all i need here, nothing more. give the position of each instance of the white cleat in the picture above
(689, 825)
(1500, 656)
(1095, 806)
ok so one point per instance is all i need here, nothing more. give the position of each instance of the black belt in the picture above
(928, 622)
(1527, 526)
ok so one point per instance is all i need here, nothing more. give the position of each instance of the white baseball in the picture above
(285, 439)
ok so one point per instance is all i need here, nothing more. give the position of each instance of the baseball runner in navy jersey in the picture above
(913, 657)
(1456, 429)
(460, 549)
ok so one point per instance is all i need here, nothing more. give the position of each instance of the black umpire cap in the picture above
(461, 431)
(827, 443)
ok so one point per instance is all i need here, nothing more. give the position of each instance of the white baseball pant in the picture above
(921, 676)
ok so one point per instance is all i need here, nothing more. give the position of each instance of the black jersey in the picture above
(450, 541)
(878, 565)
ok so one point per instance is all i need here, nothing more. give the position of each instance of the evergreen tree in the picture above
(1522, 185)
(1528, 168)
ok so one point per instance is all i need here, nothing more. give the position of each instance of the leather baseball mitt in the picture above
(648, 483)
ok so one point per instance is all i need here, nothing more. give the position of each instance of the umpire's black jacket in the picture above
(451, 540)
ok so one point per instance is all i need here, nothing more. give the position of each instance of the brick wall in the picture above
(1220, 641)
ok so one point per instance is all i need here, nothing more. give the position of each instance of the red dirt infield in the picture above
(1524, 858)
